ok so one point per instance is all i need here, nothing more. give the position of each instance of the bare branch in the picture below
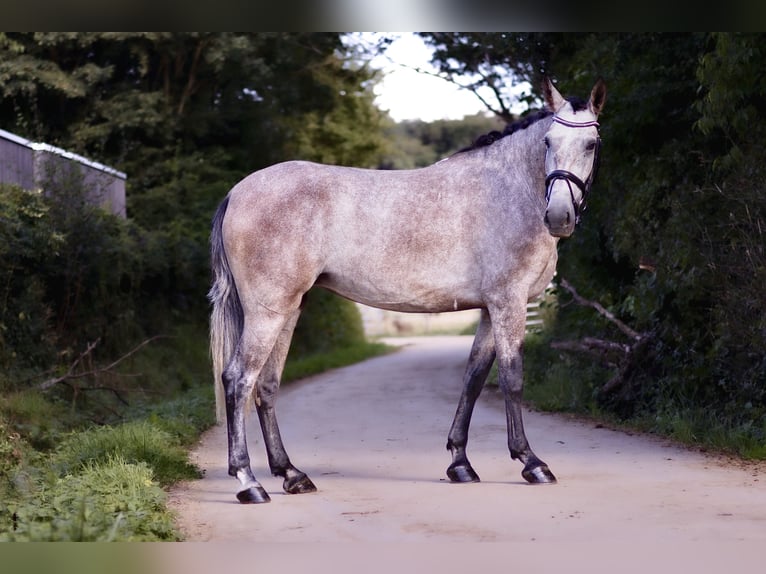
(593, 345)
(71, 374)
(602, 311)
(502, 112)
(620, 355)
(132, 352)
(110, 389)
(612, 384)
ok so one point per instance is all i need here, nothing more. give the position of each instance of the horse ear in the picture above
(597, 97)
(553, 99)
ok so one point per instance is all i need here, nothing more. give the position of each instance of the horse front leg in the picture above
(479, 363)
(509, 330)
(295, 481)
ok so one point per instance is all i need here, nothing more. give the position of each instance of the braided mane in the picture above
(520, 124)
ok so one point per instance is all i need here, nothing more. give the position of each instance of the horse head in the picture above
(571, 158)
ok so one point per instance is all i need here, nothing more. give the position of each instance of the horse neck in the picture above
(527, 148)
(522, 156)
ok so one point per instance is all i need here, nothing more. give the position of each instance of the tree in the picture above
(672, 242)
(185, 115)
(498, 61)
(416, 143)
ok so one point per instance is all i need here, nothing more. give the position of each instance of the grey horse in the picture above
(476, 230)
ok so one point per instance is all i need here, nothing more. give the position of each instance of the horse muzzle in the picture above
(560, 217)
(563, 209)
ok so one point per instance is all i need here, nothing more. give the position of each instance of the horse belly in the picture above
(406, 283)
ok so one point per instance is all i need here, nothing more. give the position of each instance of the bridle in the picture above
(571, 178)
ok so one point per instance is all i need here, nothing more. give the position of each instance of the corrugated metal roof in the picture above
(37, 146)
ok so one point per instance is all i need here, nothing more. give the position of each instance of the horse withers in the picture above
(476, 230)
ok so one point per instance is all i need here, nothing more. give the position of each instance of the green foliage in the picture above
(111, 501)
(416, 143)
(673, 240)
(499, 60)
(66, 482)
(185, 115)
(306, 365)
(16, 458)
(71, 276)
(346, 134)
(34, 416)
(327, 322)
(183, 417)
(103, 483)
(697, 225)
(28, 240)
(134, 442)
(562, 383)
(693, 209)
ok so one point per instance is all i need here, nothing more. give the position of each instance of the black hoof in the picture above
(539, 474)
(253, 495)
(462, 473)
(300, 484)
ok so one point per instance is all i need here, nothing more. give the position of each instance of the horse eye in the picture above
(591, 146)
(547, 142)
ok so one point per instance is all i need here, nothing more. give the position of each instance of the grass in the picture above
(564, 382)
(301, 367)
(88, 468)
(700, 428)
(102, 483)
(66, 475)
(555, 384)
(112, 500)
(133, 442)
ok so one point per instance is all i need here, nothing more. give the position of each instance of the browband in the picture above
(571, 124)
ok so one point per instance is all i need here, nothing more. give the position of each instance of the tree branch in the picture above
(72, 374)
(501, 113)
(592, 345)
(602, 311)
(619, 355)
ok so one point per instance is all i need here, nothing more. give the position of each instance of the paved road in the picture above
(372, 437)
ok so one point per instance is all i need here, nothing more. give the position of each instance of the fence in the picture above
(34, 166)
(534, 316)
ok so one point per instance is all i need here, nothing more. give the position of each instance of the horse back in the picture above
(413, 240)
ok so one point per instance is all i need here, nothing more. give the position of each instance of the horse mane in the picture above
(520, 124)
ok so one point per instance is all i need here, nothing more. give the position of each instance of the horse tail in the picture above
(227, 317)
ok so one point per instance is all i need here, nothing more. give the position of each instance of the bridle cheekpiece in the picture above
(571, 178)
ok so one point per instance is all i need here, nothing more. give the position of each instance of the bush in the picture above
(29, 242)
(15, 456)
(327, 322)
(102, 483)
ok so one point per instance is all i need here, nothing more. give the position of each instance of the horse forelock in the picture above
(578, 104)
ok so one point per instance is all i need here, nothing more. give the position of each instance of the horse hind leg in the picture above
(295, 481)
(258, 338)
(479, 363)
